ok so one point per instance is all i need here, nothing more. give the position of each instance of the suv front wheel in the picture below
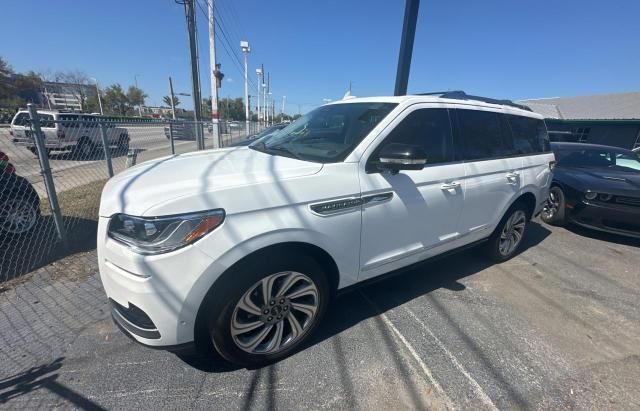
(507, 237)
(271, 310)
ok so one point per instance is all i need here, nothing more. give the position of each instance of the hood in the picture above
(198, 174)
(607, 181)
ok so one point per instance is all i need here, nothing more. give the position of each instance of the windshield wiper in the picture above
(282, 149)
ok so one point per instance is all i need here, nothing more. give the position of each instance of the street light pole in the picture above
(99, 98)
(244, 45)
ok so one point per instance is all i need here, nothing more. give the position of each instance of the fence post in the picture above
(107, 148)
(43, 157)
(173, 147)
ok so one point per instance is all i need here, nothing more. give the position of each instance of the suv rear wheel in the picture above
(507, 237)
(271, 310)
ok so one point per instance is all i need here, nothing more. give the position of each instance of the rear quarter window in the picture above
(529, 134)
(483, 135)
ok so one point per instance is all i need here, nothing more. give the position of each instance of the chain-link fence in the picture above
(53, 167)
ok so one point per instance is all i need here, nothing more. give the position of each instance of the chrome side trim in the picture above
(336, 206)
(377, 198)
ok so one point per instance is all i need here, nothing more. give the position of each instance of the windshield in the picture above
(327, 134)
(599, 158)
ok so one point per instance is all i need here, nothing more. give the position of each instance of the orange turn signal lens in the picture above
(204, 227)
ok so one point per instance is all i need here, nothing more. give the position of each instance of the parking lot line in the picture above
(411, 350)
(477, 389)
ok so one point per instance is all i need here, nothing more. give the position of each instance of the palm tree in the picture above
(167, 101)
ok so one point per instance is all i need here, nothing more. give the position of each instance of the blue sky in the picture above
(499, 48)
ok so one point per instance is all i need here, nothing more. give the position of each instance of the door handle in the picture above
(450, 186)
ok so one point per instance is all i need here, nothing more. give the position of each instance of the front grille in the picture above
(134, 315)
(633, 201)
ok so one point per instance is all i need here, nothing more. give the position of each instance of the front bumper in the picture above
(152, 296)
(612, 218)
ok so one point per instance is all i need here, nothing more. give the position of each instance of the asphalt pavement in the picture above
(557, 327)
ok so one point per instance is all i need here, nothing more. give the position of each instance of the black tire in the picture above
(221, 305)
(494, 246)
(84, 149)
(554, 212)
(21, 194)
(123, 144)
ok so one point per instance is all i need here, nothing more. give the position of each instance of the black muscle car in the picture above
(596, 187)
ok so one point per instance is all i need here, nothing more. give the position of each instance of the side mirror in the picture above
(396, 157)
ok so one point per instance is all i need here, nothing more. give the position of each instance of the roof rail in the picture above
(461, 95)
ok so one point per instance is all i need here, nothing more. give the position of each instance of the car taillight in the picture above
(552, 165)
(11, 132)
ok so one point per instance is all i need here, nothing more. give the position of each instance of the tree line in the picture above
(18, 89)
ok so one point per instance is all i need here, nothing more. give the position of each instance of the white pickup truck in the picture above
(68, 131)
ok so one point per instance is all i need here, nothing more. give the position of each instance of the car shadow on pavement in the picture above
(603, 236)
(394, 289)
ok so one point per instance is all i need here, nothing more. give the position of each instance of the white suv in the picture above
(245, 246)
(68, 131)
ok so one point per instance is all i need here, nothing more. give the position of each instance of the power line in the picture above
(234, 57)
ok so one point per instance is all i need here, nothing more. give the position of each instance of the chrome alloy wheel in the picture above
(17, 216)
(512, 232)
(552, 205)
(274, 313)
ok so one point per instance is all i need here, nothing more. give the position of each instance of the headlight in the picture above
(156, 235)
(590, 195)
(605, 197)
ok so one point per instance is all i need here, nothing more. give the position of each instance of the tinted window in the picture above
(428, 128)
(483, 135)
(22, 119)
(529, 135)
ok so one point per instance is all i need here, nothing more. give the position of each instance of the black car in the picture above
(264, 133)
(19, 201)
(596, 187)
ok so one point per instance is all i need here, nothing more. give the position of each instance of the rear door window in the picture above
(483, 135)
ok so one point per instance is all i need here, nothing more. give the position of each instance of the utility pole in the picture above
(190, 13)
(264, 97)
(171, 95)
(268, 99)
(244, 45)
(406, 46)
(97, 91)
(214, 81)
(284, 98)
(135, 80)
(259, 74)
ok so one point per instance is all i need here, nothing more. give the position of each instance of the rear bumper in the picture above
(617, 219)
